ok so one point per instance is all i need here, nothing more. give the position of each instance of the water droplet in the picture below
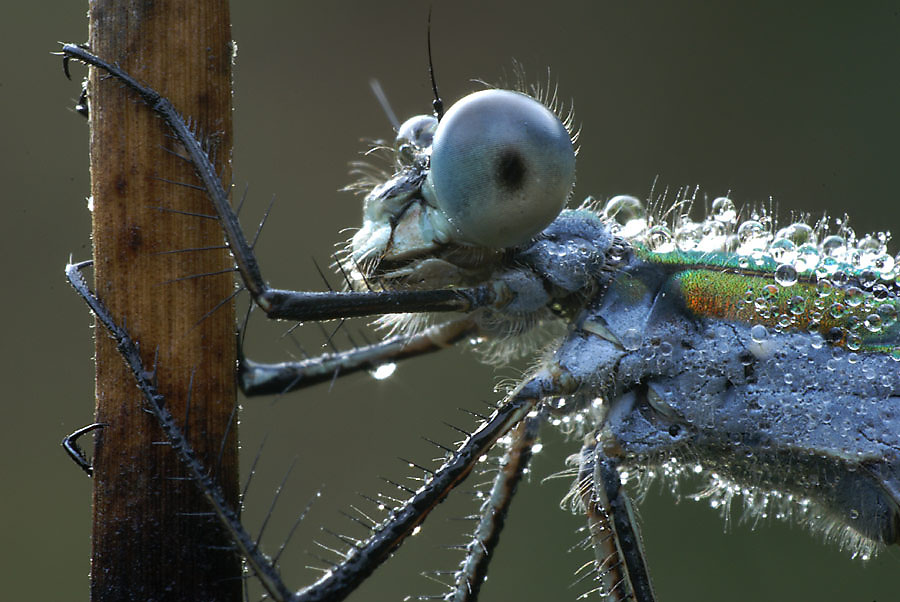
(722, 210)
(854, 296)
(759, 333)
(688, 235)
(807, 258)
(659, 240)
(883, 264)
(837, 311)
(834, 246)
(816, 340)
(752, 236)
(783, 250)
(769, 292)
(870, 245)
(873, 323)
(799, 233)
(868, 278)
(786, 275)
(797, 305)
(632, 339)
(888, 313)
(383, 371)
(629, 213)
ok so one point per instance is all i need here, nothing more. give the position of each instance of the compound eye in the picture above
(502, 168)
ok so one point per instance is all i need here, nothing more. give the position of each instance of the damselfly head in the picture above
(493, 173)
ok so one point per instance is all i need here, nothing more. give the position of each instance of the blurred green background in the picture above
(797, 101)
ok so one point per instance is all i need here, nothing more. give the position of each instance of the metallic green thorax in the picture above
(837, 306)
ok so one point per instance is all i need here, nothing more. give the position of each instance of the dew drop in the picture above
(722, 210)
(632, 339)
(786, 275)
(854, 296)
(659, 240)
(383, 371)
(888, 313)
(873, 323)
(783, 250)
(884, 265)
(837, 310)
(629, 213)
(752, 236)
(759, 333)
(834, 246)
(688, 235)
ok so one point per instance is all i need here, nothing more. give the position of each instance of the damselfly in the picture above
(627, 345)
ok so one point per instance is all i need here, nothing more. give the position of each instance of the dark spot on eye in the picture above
(510, 170)
(674, 430)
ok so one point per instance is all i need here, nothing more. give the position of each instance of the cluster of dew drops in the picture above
(835, 258)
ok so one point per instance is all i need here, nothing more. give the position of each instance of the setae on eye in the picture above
(502, 168)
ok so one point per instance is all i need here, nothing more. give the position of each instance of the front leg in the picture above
(282, 304)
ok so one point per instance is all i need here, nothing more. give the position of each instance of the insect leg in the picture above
(70, 444)
(156, 404)
(479, 552)
(619, 556)
(265, 379)
(363, 559)
(128, 348)
(282, 304)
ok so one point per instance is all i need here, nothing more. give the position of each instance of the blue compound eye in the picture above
(502, 168)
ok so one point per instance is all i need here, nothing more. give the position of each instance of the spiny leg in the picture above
(128, 348)
(619, 563)
(479, 551)
(361, 560)
(265, 379)
(458, 465)
(283, 304)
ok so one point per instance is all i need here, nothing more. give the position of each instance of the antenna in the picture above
(437, 103)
